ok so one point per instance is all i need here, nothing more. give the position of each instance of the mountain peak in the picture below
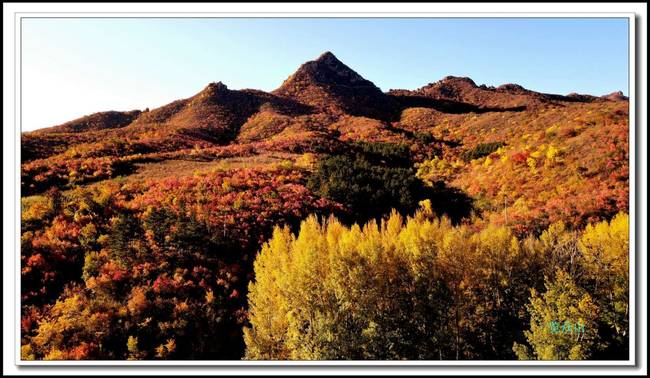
(326, 83)
(324, 70)
(327, 56)
(616, 96)
(212, 92)
(457, 80)
(217, 87)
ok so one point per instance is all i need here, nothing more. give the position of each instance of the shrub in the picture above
(481, 150)
(424, 137)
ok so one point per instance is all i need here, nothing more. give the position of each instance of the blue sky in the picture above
(74, 67)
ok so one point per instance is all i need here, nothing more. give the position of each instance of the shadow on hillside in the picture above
(448, 106)
(431, 139)
(445, 201)
(452, 202)
(284, 105)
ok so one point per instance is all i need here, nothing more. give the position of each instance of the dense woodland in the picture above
(330, 220)
(422, 288)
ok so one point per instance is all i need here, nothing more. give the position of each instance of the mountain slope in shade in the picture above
(330, 86)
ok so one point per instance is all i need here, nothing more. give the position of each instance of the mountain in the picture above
(315, 97)
(330, 86)
(215, 114)
(325, 107)
(465, 90)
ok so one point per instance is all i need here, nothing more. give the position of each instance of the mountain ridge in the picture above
(326, 85)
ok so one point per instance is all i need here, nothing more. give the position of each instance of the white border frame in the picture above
(18, 11)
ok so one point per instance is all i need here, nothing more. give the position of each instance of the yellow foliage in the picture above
(309, 286)
(552, 152)
(35, 208)
(487, 162)
(306, 160)
(532, 163)
(605, 249)
(436, 169)
(226, 186)
(553, 155)
(133, 349)
(132, 344)
(209, 297)
(552, 130)
(606, 244)
(285, 164)
(425, 205)
(563, 303)
(55, 355)
(26, 353)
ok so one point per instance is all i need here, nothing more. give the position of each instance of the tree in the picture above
(132, 347)
(369, 182)
(123, 229)
(337, 292)
(436, 171)
(563, 323)
(605, 249)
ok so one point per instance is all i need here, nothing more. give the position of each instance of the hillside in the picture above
(145, 224)
(324, 106)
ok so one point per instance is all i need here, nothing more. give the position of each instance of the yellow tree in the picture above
(268, 306)
(336, 292)
(605, 249)
(500, 281)
(563, 323)
(488, 274)
(558, 247)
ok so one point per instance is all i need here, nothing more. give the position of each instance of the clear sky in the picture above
(74, 67)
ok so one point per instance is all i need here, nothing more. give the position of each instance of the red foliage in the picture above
(240, 203)
(520, 157)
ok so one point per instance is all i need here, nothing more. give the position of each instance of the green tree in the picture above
(124, 228)
(369, 181)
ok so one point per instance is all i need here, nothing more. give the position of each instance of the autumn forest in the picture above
(329, 220)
